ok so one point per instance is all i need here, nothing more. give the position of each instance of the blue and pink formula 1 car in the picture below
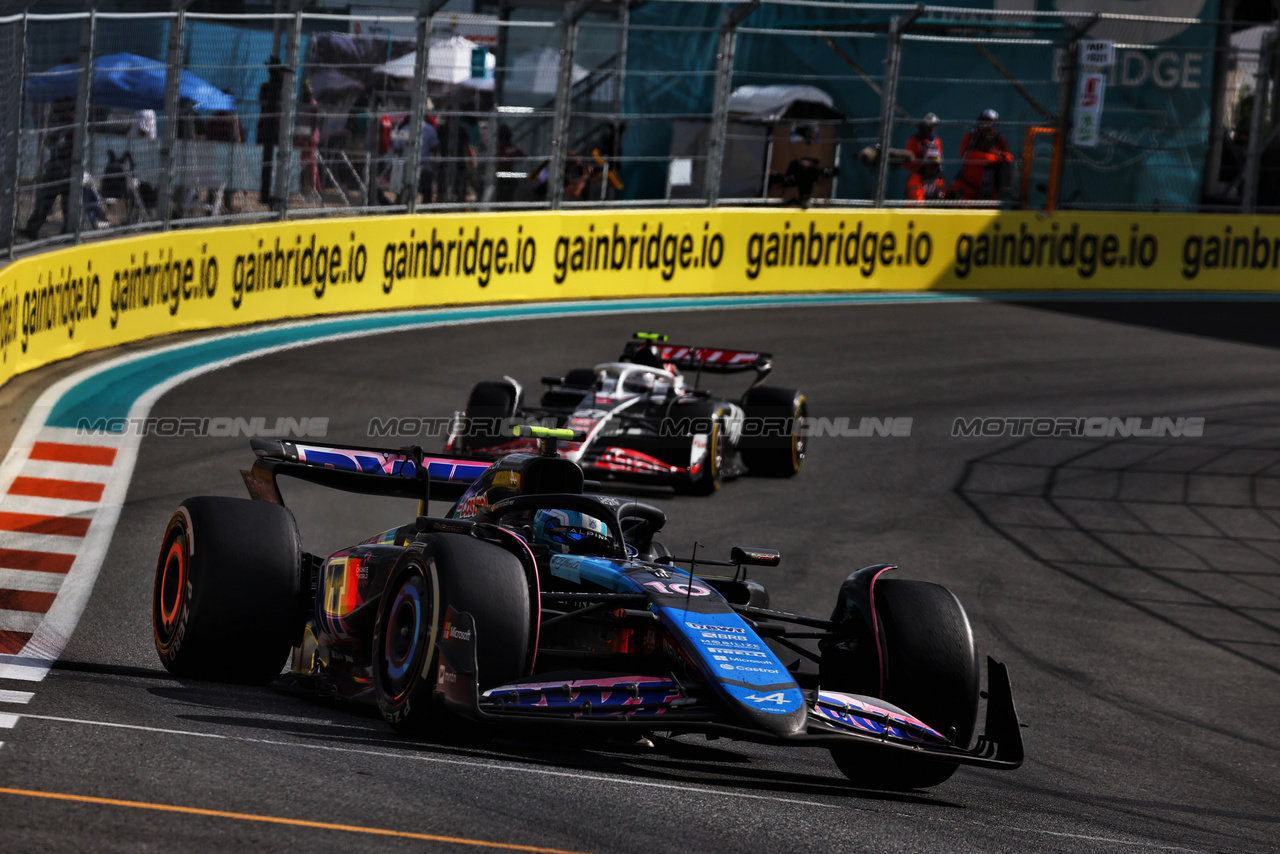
(534, 602)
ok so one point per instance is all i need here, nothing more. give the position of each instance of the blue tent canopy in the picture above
(126, 81)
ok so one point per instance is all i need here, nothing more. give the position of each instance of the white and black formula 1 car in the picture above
(642, 419)
(534, 604)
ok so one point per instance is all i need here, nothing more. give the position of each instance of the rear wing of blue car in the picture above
(400, 473)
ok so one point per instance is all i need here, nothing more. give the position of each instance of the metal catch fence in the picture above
(137, 121)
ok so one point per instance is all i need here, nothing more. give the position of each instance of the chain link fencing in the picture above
(159, 120)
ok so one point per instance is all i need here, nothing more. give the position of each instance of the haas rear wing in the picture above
(652, 349)
(403, 473)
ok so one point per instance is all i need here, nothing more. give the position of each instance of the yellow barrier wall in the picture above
(68, 301)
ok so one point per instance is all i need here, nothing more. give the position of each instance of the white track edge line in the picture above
(466, 763)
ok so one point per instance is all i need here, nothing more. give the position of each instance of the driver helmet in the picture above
(639, 381)
(571, 532)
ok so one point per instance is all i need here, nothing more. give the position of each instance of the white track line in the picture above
(54, 470)
(466, 763)
(34, 582)
(1107, 839)
(590, 778)
(16, 696)
(20, 621)
(47, 543)
(39, 506)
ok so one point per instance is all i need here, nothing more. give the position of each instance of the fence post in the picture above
(79, 145)
(283, 176)
(889, 97)
(728, 43)
(1066, 103)
(573, 12)
(418, 105)
(169, 136)
(1258, 131)
(12, 124)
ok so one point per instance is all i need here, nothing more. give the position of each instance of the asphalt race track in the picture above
(1132, 585)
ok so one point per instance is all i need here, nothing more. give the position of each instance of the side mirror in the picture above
(743, 556)
(553, 381)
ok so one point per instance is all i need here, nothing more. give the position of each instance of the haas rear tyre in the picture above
(225, 600)
(931, 672)
(773, 440)
(489, 407)
(452, 571)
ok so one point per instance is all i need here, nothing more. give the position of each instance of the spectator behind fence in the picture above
(459, 158)
(306, 138)
(509, 156)
(225, 126)
(142, 125)
(924, 143)
(55, 175)
(269, 125)
(986, 161)
(926, 184)
(430, 148)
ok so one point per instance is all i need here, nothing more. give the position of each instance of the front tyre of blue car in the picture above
(930, 670)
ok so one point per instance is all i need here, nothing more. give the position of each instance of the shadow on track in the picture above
(1186, 531)
(1244, 322)
(670, 761)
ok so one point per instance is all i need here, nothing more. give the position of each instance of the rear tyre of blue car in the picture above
(470, 576)
(931, 672)
(225, 598)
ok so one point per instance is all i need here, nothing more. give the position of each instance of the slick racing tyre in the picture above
(711, 474)
(470, 576)
(489, 408)
(931, 672)
(225, 599)
(773, 439)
